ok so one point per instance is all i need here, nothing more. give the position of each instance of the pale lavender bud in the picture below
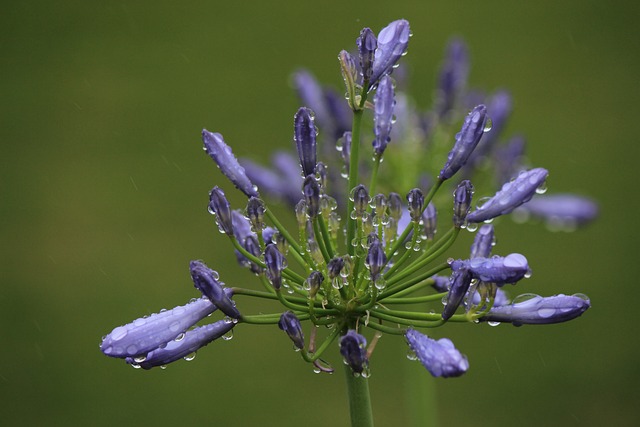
(148, 333)
(360, 201)
(467, 139)
(453, 76)
(440, 283)
(313, 282)
(508, 159)
(440, 357)
(288, 167)
(512, 195)
(192, 341)
(462, 202)
(367, 44)
(241, 225)
(311, 192)
(430, 221)
(483, 242)
(271, 183)
(206, 281)
(499, 109)
(561, 209)
(290, 324)
(304, 136)
(275, 263)
(312, 95)
(537, 310)
(460, 281)
(339, 112)
(221, 153)
(415, 201)
(392, 44)
(497, 269)
(384, 100)
(353, 349)
(219, 205)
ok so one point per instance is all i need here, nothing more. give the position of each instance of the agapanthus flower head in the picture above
(290, 324)
(206, 281)
(353, 347)
(304, 136)
(440, 357)
(530, 309)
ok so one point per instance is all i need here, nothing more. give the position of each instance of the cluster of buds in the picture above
(359, 250)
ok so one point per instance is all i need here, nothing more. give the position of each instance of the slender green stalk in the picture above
(353, 175)
(359, 399)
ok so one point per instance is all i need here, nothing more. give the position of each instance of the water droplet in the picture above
(179, 337)
(132, 349)
(488, 125)
(411, 355)
(163, 367)
(493, 323)
(228, 336)
(175, 326)
(139, 359)
(135, 366)
(546, 312)
(541, 189)
(189, 357)
(119, 333)
(472, 226)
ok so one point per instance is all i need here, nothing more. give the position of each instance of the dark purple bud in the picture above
(304, 136)
(275, 263)
(376, 260)
(221, 153)
(206, 281)
(360, 201)
(367, 44)
(562, 211)
(335, 267)
(311, 191)
(384, 101)
(430, 221)
(440, 283)
(192, 341)
(538, 310)
(440, 357)
(483, 242)
(148, 333)
(392, 44)
(344, 146)
(497, 269)
(415, 200)
(512, 195)
(467, 139)
(353, 349)
(219, 205)
(453, 76)
(395, 206)
(290, 324)
(313, 283)
(462, 202)
(460, 282)
(255, 212)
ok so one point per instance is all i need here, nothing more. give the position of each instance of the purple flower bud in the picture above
(271, 183)
(538, 310)
(304, 136)
(376, 259)
(440, 357)
(360, 201)
(335, 267)
(311, 191)
(313, 282)
(192, 341)
(499, 109)
(453, 76)
(289, 168)
(392, 44)
(148, 333)
(466, 140)
(561, 209)
(206, 281)
(512, 195)
(275, 263)
(221, 153)
(312, 95)
(462, 202)
(395, 206)
(483, 242)
(384, 100)
(241, 226)
(349, 72)
(290, 324)
(497, 269)
(219, 205)
(460, 282)
(367, 44)
(255, 212)
(415, 200)
(430, 221)
(339, 113)
(353, 349)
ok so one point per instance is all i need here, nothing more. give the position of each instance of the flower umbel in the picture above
(358, 250)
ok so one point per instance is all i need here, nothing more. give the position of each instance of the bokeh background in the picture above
(104, 187)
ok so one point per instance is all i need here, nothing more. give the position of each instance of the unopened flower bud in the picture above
(206, 281)
(462, 202)
(290, 324)
(440, 357)
(353, 349)
(221, 153)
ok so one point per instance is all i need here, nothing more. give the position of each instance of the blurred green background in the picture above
(104, 187)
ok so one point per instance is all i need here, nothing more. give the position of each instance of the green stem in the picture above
(359, 400)
(353, 175)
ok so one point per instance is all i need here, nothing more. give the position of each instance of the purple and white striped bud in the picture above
(353, 347)
(221, 153)
(311, 192)
(483, 242)
(415, 201)
(360, 201)
(536, 310)
(462, 202)
(148, 333)
(460, 282)
(255, 212)
(219, 205)
(392, 44)
(512, 195)
(206, 281)
(467, 139)
(304, 136)
(384, 101)
(290, 324)
(376, 260)
(192, 341)
(453, 76)
(560, 210)
(440, 357)
(430, 221)
(275, 263)
(367, 44)
(497, 269)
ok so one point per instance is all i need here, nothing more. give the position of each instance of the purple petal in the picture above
(440, 357)
(538, 310)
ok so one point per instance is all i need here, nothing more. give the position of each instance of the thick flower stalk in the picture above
(360, 260)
